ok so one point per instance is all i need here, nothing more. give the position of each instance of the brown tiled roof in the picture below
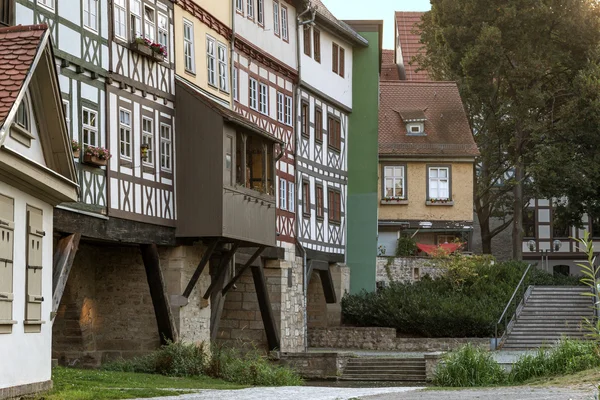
(447, 130)
(18, 48)
(410, 43)
(389, 69)
(388, 57)
(343, 28)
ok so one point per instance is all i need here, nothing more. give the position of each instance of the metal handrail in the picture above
(503, 316)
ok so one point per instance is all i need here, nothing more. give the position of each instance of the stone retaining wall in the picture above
(405, 269)
(315, 365)
(384, 339)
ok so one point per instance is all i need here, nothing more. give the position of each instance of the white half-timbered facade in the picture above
(140, 97)
(79, 31)
(264, 79)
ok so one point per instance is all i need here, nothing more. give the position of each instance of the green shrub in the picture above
(469, 366)
(568, 357)
(406, 246)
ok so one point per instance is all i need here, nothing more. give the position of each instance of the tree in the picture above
(515, 62)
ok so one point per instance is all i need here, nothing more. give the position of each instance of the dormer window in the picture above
(21, 127)
(416, 128)
(414, 120)
(22, 118)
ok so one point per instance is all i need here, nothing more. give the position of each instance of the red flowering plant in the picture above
(392, 198)
(99, 152)
(155, 47)
(75, 146)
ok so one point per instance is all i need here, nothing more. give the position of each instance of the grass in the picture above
(78, 384)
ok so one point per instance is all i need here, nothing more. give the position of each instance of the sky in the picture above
(376, 9)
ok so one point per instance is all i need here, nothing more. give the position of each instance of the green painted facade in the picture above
(363, 159)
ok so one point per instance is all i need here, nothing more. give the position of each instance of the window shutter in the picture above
(334, 58)
(317, 44)
(342, 62)
(307, 41)
(7, 227)
(33, 312)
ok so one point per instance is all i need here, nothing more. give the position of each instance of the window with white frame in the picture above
(284, 23)
(67, 112)
(288, 110)
(166, 147)
(125, 133)
(282, 194)
(22, 118)
(264, 99)
(188, 46)
(235, 84)
(253, 94)
(149, 23)
(47, 3)
(276, 18)
(120, 19)
(148, 139)
(439, 183)
(89, 124)
(223, 69)
(163, 30)
(291, 197)
(393, 178)
(90, 14)
(260, 10)
(250, 5)
(135, 19)
(415, 128)
(280, 107)
(239, 5)
(211, 61)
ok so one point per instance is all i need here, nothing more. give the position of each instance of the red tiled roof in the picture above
(389, 68)
(388, 57)
(447, 130)
(18, 48)
(410, 42)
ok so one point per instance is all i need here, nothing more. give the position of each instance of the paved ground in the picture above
(394, 393)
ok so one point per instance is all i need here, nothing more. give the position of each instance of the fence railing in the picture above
(516, 297)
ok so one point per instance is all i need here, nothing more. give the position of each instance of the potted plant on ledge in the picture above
(76, 148)
(148, 48)
(97, 156)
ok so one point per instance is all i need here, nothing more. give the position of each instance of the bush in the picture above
(568, 357)
(467, 304)
(469, 366)
(406, 246)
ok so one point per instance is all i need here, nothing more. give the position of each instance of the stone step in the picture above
(384, 377)
(383, 370)
(384, 359)
(384, 365)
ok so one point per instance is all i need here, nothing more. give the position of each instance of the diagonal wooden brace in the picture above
(207, 254)
(66, 249)
(256, 254)
(221, 270)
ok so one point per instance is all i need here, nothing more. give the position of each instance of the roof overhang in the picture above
(412, 115)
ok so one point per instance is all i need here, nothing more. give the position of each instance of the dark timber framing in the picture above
(66, 249)
(260, 285)
(205, 258)
(220, 273)
(250, 261)
(324, 272)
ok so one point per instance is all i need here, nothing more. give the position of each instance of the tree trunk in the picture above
(483, 208)
(517, 233)
(486, 238)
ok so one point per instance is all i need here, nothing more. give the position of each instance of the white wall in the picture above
(26, 357)
(321, 75)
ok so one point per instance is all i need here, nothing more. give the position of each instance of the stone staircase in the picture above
(384, 369)
(549, 313)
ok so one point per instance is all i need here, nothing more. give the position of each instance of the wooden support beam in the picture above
(66, 249)
(221, 269)
(266, 311)
(158, 291)
(250, 261)
(328, 287)
(209, 251)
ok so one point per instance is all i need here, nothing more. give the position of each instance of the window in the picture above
(260, 11)
(239, 5)
(317, 44)
(135, 18)
(319, 198)
(307, 41)
(35, 235)
(282, 194)
(291, 197)
(439, 183)
(89, 121)
(280, 107)
(335, 204)
(595, 228)
(67, 112)
(149, 23)
(264, 99)
(529, 223)
(165, 147)
(211, 61)
(338, 60)
(318, 124)
(560, 226)
(284, 23)
(6, 13)
(163, 30)
(125, 133)
(415, 128)
(393, 182)
(148, 138)
(120, 19)
(235, 84)
(188, 46)
(306, 198)
(7, 226)
(22, 118)
(304, 119)
(334, 132)
(47, 3)
(90, 14)
(276, 18)
(250, 9)
(253, 94)
(223, 73)
(288, 110)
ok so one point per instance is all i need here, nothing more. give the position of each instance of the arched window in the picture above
(23, 115)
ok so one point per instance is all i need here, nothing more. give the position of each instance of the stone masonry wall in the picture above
(320, 314)
(405, 269)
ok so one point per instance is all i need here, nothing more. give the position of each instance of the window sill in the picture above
(33, 322)
(21, 135)
(395, 202)
(334, 222)
(305, 215)
(7, 322)
(439, 203)
(334, 149)
(192, 73)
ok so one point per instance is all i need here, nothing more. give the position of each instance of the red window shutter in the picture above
(342, 63)
(307, 41)
(334, 58)
(317, 44)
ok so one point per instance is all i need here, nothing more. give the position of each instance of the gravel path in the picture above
(517, 393)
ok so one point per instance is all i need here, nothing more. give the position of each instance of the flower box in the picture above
(394, 201)
(93, 160)
(76, 153)
(145, 49)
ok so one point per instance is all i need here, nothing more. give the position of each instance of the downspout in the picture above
(299, 25)
(232, 44)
